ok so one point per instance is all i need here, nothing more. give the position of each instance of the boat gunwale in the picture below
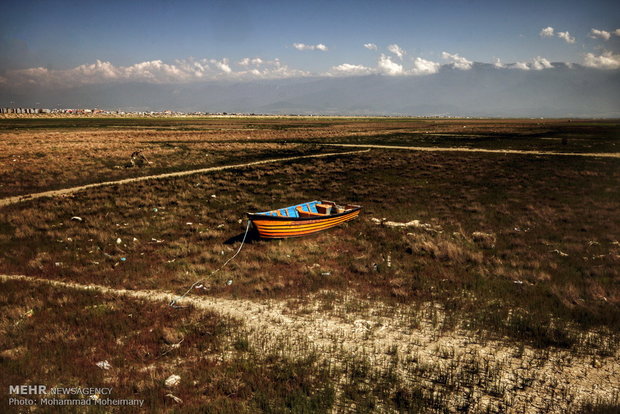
(259, 216)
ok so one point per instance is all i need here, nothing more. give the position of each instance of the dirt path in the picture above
(64, 191)
(462, 149)
(499, 376)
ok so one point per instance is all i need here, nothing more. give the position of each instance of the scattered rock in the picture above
(409, 224)
(104, 365)
(561, 253)
(118, 241)
(174, 398)
(172, 380)
(13, 353)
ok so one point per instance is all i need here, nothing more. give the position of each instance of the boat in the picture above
(302, 219)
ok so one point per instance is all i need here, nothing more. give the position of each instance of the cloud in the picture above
(600, 34)
(498, 63)
(547, 32)
(396, 50)
(250, 61)
(607, 60)
(370, 46)
(303, 46)
(348, 69)
(458, 62)
(519, 65)
(222, 65)
(538, 63)
(388, 67)
(424, 67)
(550, 32)
(154, 71)
(566, 37)
(617, 32)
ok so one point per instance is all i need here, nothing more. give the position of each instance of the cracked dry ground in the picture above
(449, 367)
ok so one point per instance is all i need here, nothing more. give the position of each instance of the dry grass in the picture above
(56, 337)
(518, 249)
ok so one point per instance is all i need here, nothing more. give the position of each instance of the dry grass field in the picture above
(471, 282)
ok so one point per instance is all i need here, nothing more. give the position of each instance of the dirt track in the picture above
(338, 334)
(64, 191)
(461, 149)
(368, 147)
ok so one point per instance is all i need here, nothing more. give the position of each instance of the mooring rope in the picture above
(173, 302)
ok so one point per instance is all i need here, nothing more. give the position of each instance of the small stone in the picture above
(13, 353)
(172, 380)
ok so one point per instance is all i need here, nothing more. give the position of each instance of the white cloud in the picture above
(566, 37)
(222, 65)
(370, 46)
(550, 32)
(388, 67)
(547, 32)
(349, 69)
(458, 62)
(250, 61)
(396, 50)
(540, 63)
(519, 65)
(600, 34)
(607, 60)
(424, 67)
(617, 32)
(303, 46)
(154, 71)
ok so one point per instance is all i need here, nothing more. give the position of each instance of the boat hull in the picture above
(270, 227)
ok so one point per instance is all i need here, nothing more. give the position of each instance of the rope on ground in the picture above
(173, 302)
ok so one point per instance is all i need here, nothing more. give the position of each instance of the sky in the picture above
(61, 43)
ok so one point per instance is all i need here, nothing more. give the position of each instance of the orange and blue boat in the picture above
(302, 219)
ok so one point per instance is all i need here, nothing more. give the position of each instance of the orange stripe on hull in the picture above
(282, 229)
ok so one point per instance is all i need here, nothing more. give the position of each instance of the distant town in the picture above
(73, 111)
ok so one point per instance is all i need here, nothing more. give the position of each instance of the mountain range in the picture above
(484, 90)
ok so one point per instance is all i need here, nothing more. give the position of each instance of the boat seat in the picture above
(303, 213)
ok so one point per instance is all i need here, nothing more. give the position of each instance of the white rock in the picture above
(172, 380)
(104, 364)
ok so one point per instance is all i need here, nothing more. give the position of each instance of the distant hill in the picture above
(484, 90)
